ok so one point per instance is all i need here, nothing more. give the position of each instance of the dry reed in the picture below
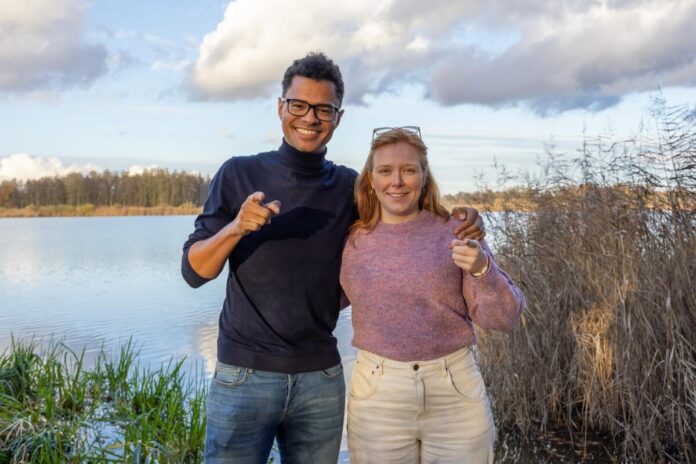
(607, 262)
(91, 210)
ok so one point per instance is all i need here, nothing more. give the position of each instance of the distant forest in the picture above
(157, 187)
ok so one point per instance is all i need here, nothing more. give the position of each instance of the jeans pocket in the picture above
(467, 382)
(229, 376)
(364, 383)
(333, 371)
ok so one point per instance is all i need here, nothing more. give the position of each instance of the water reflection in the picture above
(95, 282)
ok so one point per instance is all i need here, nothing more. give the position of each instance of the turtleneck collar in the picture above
(300, 161)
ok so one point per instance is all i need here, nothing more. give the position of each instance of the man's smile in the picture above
(305, 131)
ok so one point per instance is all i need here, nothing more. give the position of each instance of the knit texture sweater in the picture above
(411, 302)
(282, 300)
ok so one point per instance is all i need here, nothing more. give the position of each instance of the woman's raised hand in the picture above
(468, 255)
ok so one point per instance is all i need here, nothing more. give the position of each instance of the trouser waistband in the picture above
(381, 363)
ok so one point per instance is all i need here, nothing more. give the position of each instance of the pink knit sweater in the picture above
(410, 302)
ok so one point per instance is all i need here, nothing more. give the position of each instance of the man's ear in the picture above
(339, 116)
(280, 107)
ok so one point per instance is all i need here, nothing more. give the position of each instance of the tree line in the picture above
(155, 187)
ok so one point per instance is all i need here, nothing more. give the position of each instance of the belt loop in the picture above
(381, 366)
(445, 366)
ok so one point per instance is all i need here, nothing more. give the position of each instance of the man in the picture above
(280, 218)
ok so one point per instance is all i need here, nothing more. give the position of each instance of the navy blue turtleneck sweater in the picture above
(283, 294)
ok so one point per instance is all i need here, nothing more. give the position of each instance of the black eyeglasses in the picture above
(323, 112)
(383, 130)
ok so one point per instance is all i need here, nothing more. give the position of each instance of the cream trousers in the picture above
(419, 412)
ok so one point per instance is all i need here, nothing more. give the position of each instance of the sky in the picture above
(129, 85)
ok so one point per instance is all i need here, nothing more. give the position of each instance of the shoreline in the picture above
(162, 210)
(91, 210)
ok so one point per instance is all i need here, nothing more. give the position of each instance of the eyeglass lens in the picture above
(300, 108)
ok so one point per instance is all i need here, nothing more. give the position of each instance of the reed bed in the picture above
(607, 262)
(53, 409)
(92, 210)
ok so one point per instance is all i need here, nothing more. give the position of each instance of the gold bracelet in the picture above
(485, 268)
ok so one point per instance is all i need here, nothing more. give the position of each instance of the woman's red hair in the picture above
(369, 210)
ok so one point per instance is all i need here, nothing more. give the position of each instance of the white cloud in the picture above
(42, 46)
(587, 58)
(139, 169)
(22, 166)
(246, 55)
(554, 56)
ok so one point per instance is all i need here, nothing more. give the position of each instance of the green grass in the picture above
(54, 409)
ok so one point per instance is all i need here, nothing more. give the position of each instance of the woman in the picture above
(416, 394)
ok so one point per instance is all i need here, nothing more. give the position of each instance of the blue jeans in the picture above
(248, 408)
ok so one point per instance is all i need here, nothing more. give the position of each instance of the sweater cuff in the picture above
(190, 275)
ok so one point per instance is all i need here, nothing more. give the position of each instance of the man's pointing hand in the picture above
(254, 214)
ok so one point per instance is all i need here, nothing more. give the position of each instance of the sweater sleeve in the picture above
(493, 300)
(220, 208)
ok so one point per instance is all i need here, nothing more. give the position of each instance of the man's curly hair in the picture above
(316, 66)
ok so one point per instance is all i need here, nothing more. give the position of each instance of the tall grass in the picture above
(89, 209)
(607, 262)
(53, 409)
